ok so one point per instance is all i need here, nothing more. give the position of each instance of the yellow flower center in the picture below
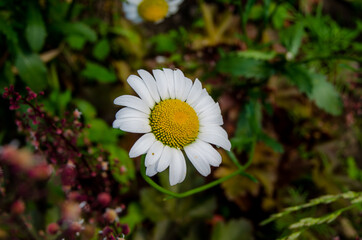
(153, 10)
(174, 123)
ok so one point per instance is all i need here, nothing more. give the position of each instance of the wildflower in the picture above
(18, 207)
(175, 116)
(150, 10)
(53, 228)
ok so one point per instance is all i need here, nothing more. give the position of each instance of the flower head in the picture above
(177, 116)
(150, 10)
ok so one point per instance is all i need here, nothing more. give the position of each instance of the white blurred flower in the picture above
(176, 116)
(150, 10)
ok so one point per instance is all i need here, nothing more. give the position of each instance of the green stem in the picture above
(187, 193)
(233, 158)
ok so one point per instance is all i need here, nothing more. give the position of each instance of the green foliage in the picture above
(58, 102)
(76, 29)
(292, 39)
(301, 225)
(35, 31)
(101, 49)
(31, 69)
(352, 169)
(165, 43)
(134, 215)
(101, 132)
(94, 71)
(249, 129)
(237, 66)
(316, 87)
(233, 230)
(325, 95)
(299, 76)
(123, 169)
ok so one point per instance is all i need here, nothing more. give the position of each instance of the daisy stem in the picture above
(187, 193)
(232, 156)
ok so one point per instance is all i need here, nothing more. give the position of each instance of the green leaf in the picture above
(77, 28)
(35, 31)
(299, 76)
(164, 43)
(31, 70)
(255, 54)
(325, 95)
(100, 132)
(57, 101)
(86, 108)
(281, 14)
(271, 142)
(352, 169)
(293, 236)
(233, 230)
(247, 9)
(248, 125)
(98, 72)
(292, 38)
(121, 166)
(244, 67)
(101, 49)
(8, 31)
(76, 42)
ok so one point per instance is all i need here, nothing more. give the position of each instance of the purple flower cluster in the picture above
(62, 155)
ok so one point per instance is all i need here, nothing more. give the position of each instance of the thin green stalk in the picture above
(251, 154)
(240, 171)
(187, 193)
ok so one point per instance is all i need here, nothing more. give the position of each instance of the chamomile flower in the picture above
(150, 10)
(177, 116)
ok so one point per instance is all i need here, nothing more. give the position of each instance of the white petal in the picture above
(214, 129)
(195, 92)
(134, 125)
(128, 112)
(132, 102)
(139, 125)
(211, 119)
(211, 155)
(188, 86)
(141, 89)
(150, 83)
(151, 170)
(179, 79)
(214, 110)
(154, 153)
(135, 2)
(116, 123)
(197, 159)
(216, 139)
(184, 170)
(161, 82)
(204, 94)
(142, 145)
(170, 82)
(177, 167)
(165, 159)
(204, 102)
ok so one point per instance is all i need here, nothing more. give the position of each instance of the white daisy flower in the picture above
(150, 10)
(176, 116)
